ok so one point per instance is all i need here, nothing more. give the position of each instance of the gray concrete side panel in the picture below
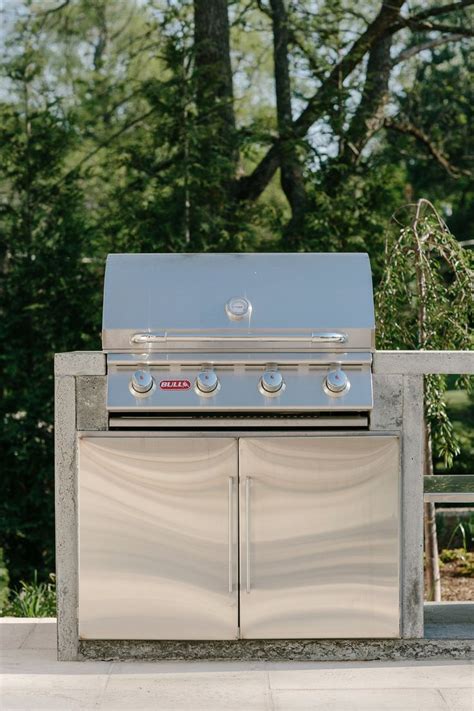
(424, 362)
(66, 516)
(91, 402)
(412, 507)
(388, 402)
(80, 363)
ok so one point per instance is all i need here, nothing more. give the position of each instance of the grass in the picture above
(32, 599)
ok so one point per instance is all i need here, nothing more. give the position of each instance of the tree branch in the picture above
(436, 27)
(431, 44)
(104, 144)
(410, 129)
(443, 10)
(43, 13)
(369, 117)
(433, 12)
(250, 187)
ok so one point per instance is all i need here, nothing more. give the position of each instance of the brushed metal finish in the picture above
(329, 337)
(271, 381)
(207, 381)
(166, 301)
(336, 381)
(279, 422)
(168, 337)
(238, 308)
(230, 533)
(247, 534)
(239, 391)
(239, 358)
(153, 538)
(323, 537)
(141, 381)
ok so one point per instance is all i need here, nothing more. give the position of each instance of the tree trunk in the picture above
(214, 152)
(291, 171)
(369, 115)
(433, 579)
(213, 74)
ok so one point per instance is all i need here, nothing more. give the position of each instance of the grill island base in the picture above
(81, 406)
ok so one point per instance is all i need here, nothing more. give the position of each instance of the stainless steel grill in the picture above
(239, 491)
(255, 333)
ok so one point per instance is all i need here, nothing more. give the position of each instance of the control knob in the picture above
(336, 381)
(207, 381)
(142, 381)
(271, 381)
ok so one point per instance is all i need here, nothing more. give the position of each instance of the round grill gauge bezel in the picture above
(238, 308)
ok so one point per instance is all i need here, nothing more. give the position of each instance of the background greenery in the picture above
(124, 127)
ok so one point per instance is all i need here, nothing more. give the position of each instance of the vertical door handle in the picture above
(247, 534)
(231, 534)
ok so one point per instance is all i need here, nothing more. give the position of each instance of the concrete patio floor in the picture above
(31, 679)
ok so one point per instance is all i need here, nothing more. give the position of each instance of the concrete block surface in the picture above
(80, 363)
(91, 402)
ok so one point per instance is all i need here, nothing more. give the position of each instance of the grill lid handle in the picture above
(321, 337)
(329, 337)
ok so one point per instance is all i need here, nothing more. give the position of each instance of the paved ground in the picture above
(32, 679)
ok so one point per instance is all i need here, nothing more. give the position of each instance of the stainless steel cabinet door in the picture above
(158, 526)
(319, 520)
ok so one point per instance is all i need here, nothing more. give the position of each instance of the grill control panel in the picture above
(243, 387)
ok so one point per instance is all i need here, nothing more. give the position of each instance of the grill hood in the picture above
(239, 302)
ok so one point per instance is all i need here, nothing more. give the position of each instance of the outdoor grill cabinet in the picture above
(210, 536)
(237, 488)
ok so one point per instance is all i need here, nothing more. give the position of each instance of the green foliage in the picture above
(466, 531)
(4, 580)
(438, 98)
(103, 148)
(463, 561)
(48, 303)
(33, 599)
(424, 301)
(460, 409)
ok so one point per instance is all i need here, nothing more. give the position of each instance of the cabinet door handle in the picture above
(247, 534)
(230, 534)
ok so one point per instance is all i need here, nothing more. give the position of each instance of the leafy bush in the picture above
(4, 579)
(462, 563)
(32, 599)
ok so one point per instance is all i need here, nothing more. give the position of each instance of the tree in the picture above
(432, 138)
(155, 125)
(424, 302)
(47, 304)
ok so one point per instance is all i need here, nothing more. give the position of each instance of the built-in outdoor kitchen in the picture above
(239, 472)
